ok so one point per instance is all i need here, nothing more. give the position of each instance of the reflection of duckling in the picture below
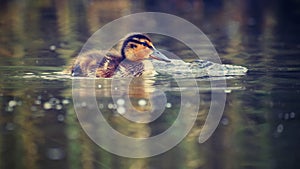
(126, 59)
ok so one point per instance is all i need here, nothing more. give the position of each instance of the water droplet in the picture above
(120, 102)
(111, 106)
(60, 117)
(37, 102)
(52, 47)
(292, 115)
(168, 105)
(47, 105)
(99, 86)
(225, 121)
(65, 101)
(227, 91)
(121, 110)
(62, 44)
(142, 102)
(101, 106)
(58, 107)
(12, 103)
(286, 116)
(54, 101)
(280, 128)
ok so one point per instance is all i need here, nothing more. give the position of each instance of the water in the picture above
(259, 126)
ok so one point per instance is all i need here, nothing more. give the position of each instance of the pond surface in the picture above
(259, 127)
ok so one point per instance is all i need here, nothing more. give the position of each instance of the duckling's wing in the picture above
(108, 65)
(86, 63)
(106, 68)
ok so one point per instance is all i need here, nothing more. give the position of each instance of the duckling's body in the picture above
(127, 58)
(87, 64)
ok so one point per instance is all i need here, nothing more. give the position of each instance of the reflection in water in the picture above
(258, 128)
(134, 122)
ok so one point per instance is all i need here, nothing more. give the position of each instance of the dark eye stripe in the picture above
(133, 38)
(133, 46)
(136, 38)
(139, 36)
(141, 43)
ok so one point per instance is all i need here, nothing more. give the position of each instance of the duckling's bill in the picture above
(159, 56)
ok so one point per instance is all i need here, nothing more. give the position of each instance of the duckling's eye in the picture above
(133, 46)
(144, 44)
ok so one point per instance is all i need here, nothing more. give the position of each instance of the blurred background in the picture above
(260, 125)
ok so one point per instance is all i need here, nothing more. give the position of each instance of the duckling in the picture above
(127, 58)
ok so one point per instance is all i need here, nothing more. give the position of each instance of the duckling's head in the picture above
(138, 47)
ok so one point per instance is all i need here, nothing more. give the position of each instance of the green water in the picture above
(260, 123)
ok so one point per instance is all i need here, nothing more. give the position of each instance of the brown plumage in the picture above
(127, 58)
